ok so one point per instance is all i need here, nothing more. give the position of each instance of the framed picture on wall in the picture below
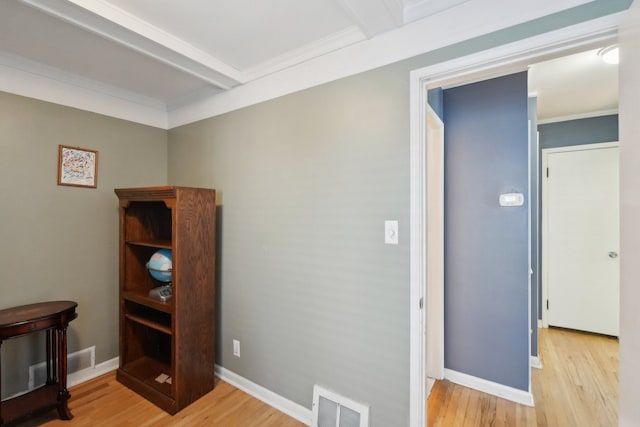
(77, 167)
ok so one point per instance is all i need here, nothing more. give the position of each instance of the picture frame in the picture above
(77, 167)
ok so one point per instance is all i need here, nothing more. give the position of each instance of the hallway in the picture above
(578, 386)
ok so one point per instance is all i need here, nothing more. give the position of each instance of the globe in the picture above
(160, 265)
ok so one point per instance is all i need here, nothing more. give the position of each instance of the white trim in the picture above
(545, 225)
(309, 51)
(91, 373)
(489, 387)
(578, 116)
(517, 56)
(472, 19)
(280, 403)
(500, 60)
(417, 248)
(530, 269)
(28, 79)
(434, 237)
(535, 362)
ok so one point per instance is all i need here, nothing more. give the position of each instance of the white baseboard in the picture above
(282, 404)
(489, 387)
(91, 373)
(535, 362)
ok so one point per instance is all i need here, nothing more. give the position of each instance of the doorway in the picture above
(498, 61)
(435, 250)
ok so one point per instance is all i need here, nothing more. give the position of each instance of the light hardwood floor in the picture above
(105, 402)
(578, 386)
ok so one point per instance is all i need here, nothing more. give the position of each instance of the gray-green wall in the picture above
(306, 282)
(59, 242)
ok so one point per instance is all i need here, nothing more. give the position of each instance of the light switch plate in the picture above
(391, 232)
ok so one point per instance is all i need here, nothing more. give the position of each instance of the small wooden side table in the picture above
(52, 317)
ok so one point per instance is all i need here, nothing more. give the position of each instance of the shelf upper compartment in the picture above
(144, 299)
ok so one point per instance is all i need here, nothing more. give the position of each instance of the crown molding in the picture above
(340, 55)
(33, 80)
(333, 42)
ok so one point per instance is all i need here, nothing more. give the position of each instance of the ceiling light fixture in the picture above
(609, 54)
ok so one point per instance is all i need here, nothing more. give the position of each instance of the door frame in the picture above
(493, 62)
(434, 338)
(545, 224)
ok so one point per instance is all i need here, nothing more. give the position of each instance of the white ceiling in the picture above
(168, 56)
(578, 85)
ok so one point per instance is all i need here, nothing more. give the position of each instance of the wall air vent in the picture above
(77, 362)
(332, 410)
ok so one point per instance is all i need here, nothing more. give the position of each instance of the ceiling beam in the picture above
(422, 8)
(374, 17)
(121, 27)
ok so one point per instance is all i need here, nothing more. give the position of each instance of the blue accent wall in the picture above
(592, 130)
(486, 246)
(434, 98)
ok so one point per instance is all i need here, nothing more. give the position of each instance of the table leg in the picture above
(1, 422)
(49, 341)
(63, 393)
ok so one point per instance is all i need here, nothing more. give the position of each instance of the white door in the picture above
(581, 210)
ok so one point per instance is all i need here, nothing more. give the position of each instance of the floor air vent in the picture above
(333, 410)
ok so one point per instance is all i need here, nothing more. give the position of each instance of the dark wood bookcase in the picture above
(175, 338)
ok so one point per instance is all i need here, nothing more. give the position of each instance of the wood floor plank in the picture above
(104, 402)
(578, 386)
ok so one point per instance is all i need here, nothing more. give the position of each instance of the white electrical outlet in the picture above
(236, 348)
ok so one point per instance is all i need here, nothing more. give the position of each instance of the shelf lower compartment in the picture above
(140, 376)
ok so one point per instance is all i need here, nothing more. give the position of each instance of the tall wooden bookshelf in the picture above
(167, 349)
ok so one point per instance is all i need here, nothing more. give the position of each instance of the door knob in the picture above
(613, 254)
